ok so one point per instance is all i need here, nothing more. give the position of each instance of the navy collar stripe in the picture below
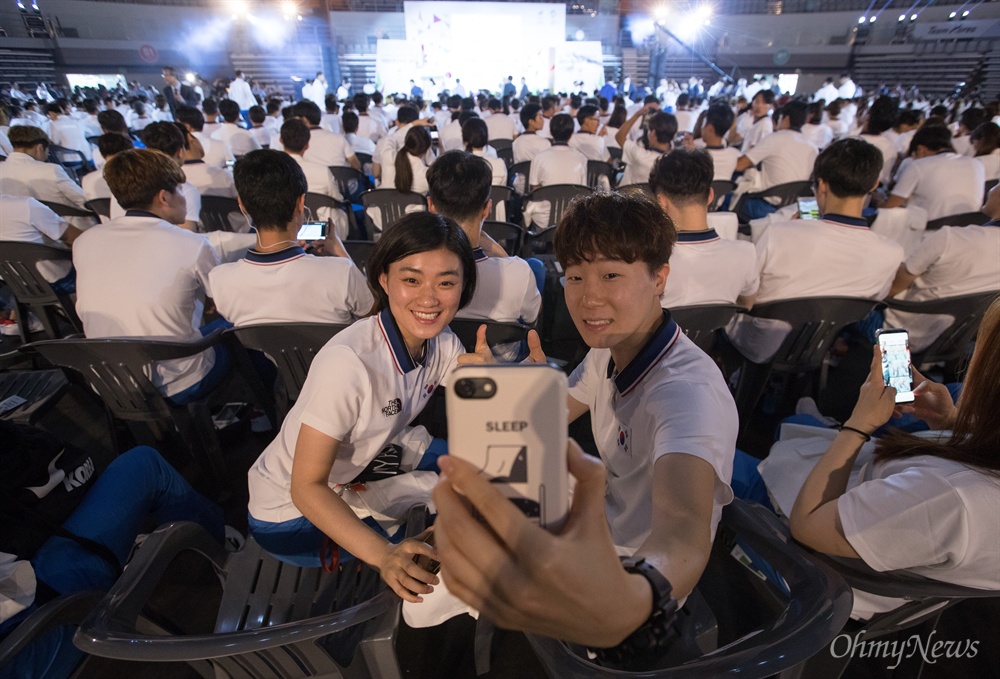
(647, 358)
(697, 236)
(277, 257)
(992, 222)
(846, 221)
(141, 213)
(400, 354)
(479, 255)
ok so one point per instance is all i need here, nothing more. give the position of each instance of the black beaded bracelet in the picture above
(867, 437)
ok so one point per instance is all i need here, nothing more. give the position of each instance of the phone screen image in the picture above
(896, 370)
(808, 208)
(311, 231)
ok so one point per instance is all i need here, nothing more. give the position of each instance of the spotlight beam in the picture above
(695, 53)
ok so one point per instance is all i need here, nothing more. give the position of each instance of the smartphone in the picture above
(312, 231)
(808, 208)
(230, 164)
(434, 134)
(896, 369)
(509, 420)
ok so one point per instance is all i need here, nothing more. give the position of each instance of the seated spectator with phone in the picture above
(277, 282)
(665, 426)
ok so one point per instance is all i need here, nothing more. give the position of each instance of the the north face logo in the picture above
(394, 407)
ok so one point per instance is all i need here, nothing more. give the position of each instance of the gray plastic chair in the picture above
(501, 194)
(963, 219)
(508, 235)
(722, 189)
(64, 610)
(64, 210)
(504, 149)
(524, 169)
(785, 193)
(761, 630)
(100, 206)
(215, 212)
(292, 346)
(275, 621)
(19, 270)
(391, 204)
(700, 322)
(597, 169)
(559, 197)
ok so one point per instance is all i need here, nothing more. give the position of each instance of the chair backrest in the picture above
(508, 235)
(364, 158)
(498, 144)
(953, 342)
(19, 270)
(118, 368)
(616, 154)
(597, 169)
(538, 243)
(496, 332)
(500, 194)
(215, 211)
(559, 197)
(316, 201)
(359, 250)
(700, 322)
(722, 189)
(351, 182)
(764, 628)
(785, 193)
(963, 219)
(292, 346)
(391, 204)
(67, 210)
(100, 206)
(815, 323)
(524, 169)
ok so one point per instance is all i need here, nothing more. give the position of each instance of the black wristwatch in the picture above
(658, 630)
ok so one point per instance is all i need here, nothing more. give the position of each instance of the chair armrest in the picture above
(157, 350)
(64, 610)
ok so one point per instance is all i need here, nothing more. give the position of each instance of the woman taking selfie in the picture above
(349, 425)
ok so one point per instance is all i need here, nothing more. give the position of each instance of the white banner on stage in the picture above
(579, 66)
(396, 63)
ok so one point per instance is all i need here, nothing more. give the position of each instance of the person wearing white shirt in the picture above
(67, 132)
(783, 156)
(213, 121)
(530, 143)
(704, 268)
(835, 256)
(378, 113)
(358, 144)
(880, 118)
(239, 141)
(499, 125)
(559, 164)
(25, 172)
(344, 90)
(5, 146)
(276, 281)
(367, 125)
(938, 179)
(93, 183)
(240, 92)
(408, 172)
(718, 120)
(475, 134)
(827, 93)
(587, 140)
(295, 139)
(331, 118)
(847, 89)
(639, 156)
(160, 280)
(217, 153)
(986, 148)
(91, 125)
(257, 129)
(834, 122)
(686, 118)
(25, 220)
(450, 134)
(387, 146)
(761, 109)
(325, 147)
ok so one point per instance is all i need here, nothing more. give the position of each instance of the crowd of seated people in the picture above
(662, 474)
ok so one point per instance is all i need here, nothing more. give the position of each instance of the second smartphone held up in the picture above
(510, 420)
(896, 369)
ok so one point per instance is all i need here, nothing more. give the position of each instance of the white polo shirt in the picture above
(139, 276)
(22, 175)
(952, 261)
(944, 184)
(820, 135)
(686, 120)
(725, 159)
(500, 127)
(192, 200)
(505, 290)
(289, 286)
(708, 269)
(327, 148)
(208, 179)
(991, 164)
(639, 162)
(889, 154)
(591, 145)
(370, 127)
(759, 130)
(25, 220)
(784, 156)
(363, 389)
(217, 153)
(238, 139)
(450, 136)
(836, 256)
(529, 145)
(671, 398)
(95, 186)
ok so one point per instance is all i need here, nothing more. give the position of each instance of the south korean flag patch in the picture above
(625, 439)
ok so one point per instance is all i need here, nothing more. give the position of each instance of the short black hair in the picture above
(664, 125)
(882, 114)
(685, 177)
(973, 117)
(163, 137)
(188, 115)
(361, 102)
(720, 116)
(528, 113)
(561, 127)
(629, 227)
(295, 135)
(112, 121)
(475, 134)
(210, 106)
(350, 121)
(683, 98)
(111, 143)
(257, 114)
(909, 116)
(460, 184)
(230, 110)
(851, 167)
(414, 233)
(932, 137)
(308, 109)
(797, 112)
(767, 95)
(585, 112)
(274, 105)
(407, 114)
(269, 183)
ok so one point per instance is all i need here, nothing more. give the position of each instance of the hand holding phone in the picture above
(896, 369)
(312, 231)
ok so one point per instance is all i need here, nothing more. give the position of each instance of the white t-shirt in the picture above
(25, 220)
(670, 399)
(217, 153)
(832, 257)
(686, 120)
(22, 175)
(139, 276)
(208, 179)
(639, 162)
(528, 145)
(559, 164)
(991, 164)
(591, 145)
(505, 290)
(419, 175)
(949, 262)
(758, 131)
(944, 184)
(95, 186)
(784, 156)
(819, 136)
(239, 140)
(327, 148)
(724, 159)
(497, 165)
(289, 286)
(363, 389)
(708, 269)
(500, 127)
(889, 154)
(192, 201)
